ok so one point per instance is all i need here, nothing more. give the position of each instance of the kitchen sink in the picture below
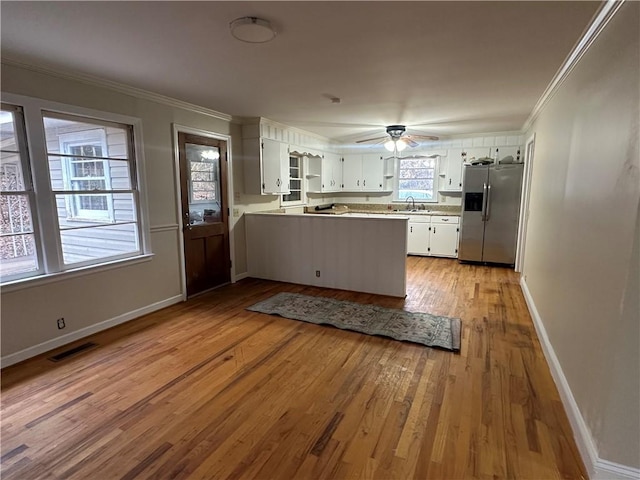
(409, 211)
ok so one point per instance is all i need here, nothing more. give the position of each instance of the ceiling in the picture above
(441, 68)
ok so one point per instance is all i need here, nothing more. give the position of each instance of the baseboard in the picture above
(596, 467)
(84, 332)
(241, 276)
(606, 470)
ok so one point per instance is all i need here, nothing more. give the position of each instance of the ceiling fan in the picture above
(397, 139)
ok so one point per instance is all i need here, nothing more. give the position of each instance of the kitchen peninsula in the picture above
(358, 253)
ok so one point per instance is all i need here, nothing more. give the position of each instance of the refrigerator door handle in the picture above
(487, 210)
(483, 214)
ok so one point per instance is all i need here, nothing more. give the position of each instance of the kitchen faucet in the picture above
(413, 202)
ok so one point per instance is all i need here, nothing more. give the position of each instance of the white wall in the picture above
(581, 265)
(29, 315)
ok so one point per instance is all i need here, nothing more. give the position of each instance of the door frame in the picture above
(230, 194)
(524, 202)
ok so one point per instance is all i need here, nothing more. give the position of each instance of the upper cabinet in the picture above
(324, 173)
(266, 166)
(365, 173)
(499, 153)
(456, 157)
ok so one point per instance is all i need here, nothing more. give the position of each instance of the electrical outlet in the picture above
(236, 196)
(236, 212)
(61, 323)
(318, 273)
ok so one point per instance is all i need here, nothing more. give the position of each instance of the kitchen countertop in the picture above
(406, 212)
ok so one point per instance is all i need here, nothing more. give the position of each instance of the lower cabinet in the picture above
(435, 235)
(418, 238)
(443, 238)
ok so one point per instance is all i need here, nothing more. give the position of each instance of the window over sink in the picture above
(417, 178)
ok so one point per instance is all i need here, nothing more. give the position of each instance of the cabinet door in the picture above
(336, 170)
(352, 173)
(443, 241)
(275, 167)
(501, 152)
(372, 172)
(453, 172)
(418, 238)
(331, 172)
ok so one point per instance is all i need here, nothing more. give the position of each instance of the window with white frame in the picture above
(83, 169)
(417, 178)
(19, 255)
(296, 197)
(87, 173)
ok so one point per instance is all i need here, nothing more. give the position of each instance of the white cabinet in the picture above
(266, 166)
(418, 235)
(352, 173)
(324, 173)
(498, 153)
(453, 171)
(331, 173)
(435, 235)
(443, 237)
(364, 173)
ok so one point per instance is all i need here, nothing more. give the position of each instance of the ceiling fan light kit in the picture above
(393, 145)
(252, 30)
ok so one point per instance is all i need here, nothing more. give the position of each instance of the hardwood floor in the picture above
(206, 389)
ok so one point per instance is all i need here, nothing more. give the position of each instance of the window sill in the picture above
(76, 272)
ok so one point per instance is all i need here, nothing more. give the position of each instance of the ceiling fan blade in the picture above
(377, 139)
(410, 141)
(425, 137)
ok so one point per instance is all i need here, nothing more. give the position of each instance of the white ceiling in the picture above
(443, 68)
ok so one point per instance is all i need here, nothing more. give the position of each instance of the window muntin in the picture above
(417, 178)
(19, 255)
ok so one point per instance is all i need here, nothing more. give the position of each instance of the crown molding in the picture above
(599, 21)
(115, 86)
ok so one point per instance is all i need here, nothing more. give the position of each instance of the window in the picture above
(417, 179)
(18, 251)
(85, 173)
(81, 170)
(295, 182)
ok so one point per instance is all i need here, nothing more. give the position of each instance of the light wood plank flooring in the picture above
(208, 390)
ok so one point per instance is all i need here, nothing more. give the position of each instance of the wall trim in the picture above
(85, 332)
(116, 86)
(241, 276)
(597, 468)
(599, 21)
(165, 228)
(605, 469)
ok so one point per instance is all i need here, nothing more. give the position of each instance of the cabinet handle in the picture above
(364, 183)
(358, 183)
(434, 229)
(449, 181)
(445, 219)
(411, 231)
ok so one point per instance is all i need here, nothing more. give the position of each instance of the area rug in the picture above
(423, 328)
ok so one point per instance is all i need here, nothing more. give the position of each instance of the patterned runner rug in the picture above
(423, 328)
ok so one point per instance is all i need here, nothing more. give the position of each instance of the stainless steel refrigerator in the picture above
(490, 211)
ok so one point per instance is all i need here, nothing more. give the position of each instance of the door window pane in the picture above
(203, 164)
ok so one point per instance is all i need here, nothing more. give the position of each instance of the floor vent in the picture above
(72, 351)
